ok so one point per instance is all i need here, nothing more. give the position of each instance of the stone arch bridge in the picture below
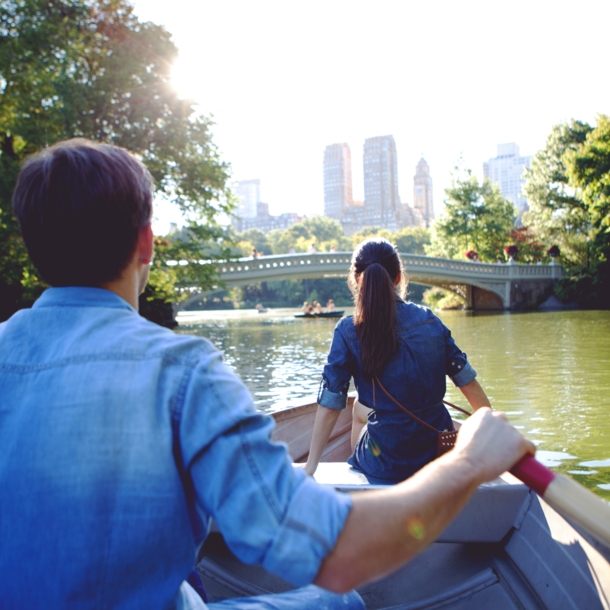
(483, 286)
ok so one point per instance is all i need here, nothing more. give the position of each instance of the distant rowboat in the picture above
(324, 314)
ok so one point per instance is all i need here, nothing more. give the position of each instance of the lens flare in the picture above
(374, 449)
(415, 527)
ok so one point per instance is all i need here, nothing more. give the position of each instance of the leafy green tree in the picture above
(588, 169)
(296, 237)
(558, 213)
(438, 298)
(258, 239)
(90, 68)
(412, 240)
(368, 232)
(322, 231)
(323, 228)
(476, 217)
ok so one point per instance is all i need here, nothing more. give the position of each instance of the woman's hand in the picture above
(310, 469)
(303, 466)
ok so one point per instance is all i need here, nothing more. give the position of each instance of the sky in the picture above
(450, 80)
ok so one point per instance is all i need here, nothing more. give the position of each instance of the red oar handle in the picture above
(536, 476)
(570, 499)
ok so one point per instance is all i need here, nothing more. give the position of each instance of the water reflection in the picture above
(279, 358)
(550, 372)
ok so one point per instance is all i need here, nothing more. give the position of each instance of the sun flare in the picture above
(185, 81)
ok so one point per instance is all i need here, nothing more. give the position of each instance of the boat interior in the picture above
(506, 549)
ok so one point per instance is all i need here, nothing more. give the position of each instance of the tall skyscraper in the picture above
(382, 206)
(422, 192)
(249, 194)
(507, 171)
(337, 180)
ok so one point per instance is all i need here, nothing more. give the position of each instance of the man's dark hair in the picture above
(80, 206)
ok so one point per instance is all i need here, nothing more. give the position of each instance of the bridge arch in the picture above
(482, 285)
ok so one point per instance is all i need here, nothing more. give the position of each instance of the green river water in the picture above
(549, 372)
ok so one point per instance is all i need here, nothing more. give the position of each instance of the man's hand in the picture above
(491, 444)
(386, 528)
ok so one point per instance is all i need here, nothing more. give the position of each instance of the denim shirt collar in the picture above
(81, 296)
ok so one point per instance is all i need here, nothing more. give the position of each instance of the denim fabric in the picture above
(394, 446)
(119, 441)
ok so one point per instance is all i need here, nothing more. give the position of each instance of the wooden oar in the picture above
(570, 499)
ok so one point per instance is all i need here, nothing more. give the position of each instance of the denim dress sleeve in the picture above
(336, 375)
(269, 512)
(457, 366)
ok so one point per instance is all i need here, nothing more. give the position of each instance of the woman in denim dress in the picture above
(410, 351)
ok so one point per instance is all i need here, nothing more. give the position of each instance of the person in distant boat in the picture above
(121, 440)
(318, 307)
(330, 305)
(397, 346)
(305, 308)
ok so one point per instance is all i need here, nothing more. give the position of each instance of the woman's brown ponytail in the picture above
(373, 273)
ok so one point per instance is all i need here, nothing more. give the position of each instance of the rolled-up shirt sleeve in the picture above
(269, 512)
(457, 367)
(336, 375)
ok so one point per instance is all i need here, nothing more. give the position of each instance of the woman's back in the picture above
(395, 445)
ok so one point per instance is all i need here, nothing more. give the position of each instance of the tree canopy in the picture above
(557, 210)
(588, 169)
(476, 217)
(321, 231)
(568, 187)
(90, 68)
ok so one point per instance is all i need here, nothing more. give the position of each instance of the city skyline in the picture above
(449, 81)
(382, 206)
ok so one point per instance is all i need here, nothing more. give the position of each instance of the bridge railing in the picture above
(254, 265)
(420, 269)
(507, 271)
(298, 262)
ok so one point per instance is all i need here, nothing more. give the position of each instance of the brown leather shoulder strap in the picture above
(421, 421)
(458, 408)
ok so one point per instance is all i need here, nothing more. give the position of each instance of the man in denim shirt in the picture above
(121, 440)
